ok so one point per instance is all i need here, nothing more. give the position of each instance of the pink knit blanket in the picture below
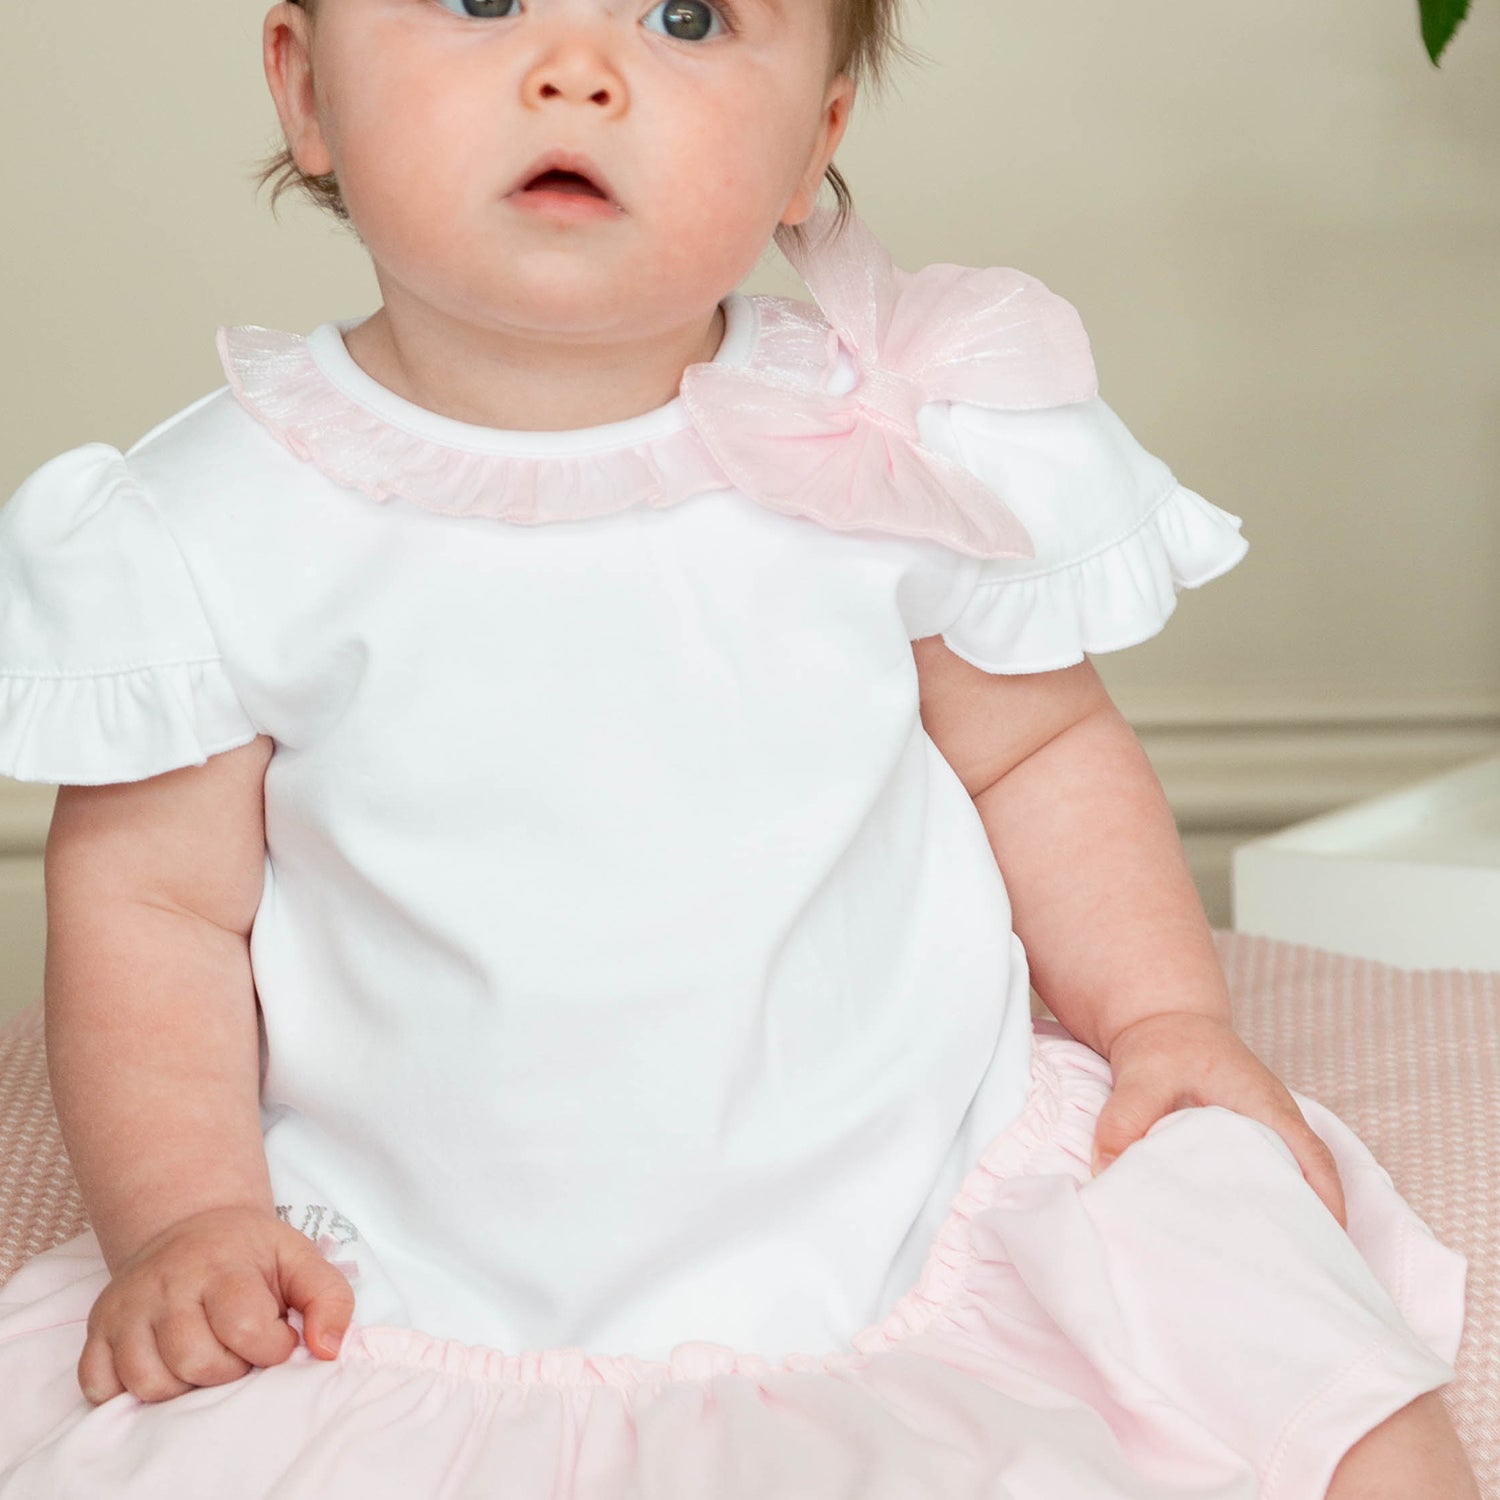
(1410, 1060)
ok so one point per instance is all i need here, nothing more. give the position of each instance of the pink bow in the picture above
(995, 338)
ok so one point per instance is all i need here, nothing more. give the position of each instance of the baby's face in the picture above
(704, 127)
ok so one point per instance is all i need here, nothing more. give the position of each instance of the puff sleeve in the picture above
(1116, 536)
(108, 669)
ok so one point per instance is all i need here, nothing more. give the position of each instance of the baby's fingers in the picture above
(137, 1367)
(97, 1377)
(246, 1319)
(1316, 1160)
(192, 1352)
(322, 1294)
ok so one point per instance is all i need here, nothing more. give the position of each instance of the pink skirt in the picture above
(1191, 1323)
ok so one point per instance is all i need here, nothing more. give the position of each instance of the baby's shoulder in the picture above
(110, 669)
(206, 457)
(960, 404)
(97, 495)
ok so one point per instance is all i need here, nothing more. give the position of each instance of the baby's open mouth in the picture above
(557, 181)
(567, 185)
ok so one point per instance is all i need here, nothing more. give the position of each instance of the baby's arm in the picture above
(1100, 890)
(152, 1045)
(150, 1007)
(1101, 896)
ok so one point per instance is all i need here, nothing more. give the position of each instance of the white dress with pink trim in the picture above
(645, 1034)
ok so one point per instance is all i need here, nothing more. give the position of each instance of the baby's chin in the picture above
(586, 312)
(610, 283)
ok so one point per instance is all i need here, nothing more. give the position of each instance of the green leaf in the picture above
(1440, 20)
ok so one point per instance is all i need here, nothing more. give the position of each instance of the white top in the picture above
(634, 969)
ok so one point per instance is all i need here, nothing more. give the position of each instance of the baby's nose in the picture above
(576, 70)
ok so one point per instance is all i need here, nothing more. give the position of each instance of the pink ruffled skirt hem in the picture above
(1192, 1324)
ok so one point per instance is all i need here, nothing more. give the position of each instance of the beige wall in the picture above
(1280, 223)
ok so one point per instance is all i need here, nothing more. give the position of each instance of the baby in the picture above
(566, 783)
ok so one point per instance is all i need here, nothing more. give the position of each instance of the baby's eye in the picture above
(481, 8)
(688, 20)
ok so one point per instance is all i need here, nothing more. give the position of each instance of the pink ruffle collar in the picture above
(809, 411)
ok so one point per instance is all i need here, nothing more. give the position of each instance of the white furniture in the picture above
(1411, 878)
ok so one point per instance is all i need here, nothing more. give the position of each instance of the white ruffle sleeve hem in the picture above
(118, 726)
(1118, 595)
(109, 670)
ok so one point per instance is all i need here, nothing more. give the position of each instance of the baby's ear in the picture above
(838, 102)
(286, 51)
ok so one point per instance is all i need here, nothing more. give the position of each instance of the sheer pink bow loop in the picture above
(993, 337)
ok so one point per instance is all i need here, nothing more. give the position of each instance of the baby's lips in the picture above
(566, 161)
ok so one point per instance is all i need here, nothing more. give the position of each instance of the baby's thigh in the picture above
(1416, 1451)
(1272, 1325)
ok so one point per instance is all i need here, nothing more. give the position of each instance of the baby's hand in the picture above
(202, 1303)
(1179, 1060)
